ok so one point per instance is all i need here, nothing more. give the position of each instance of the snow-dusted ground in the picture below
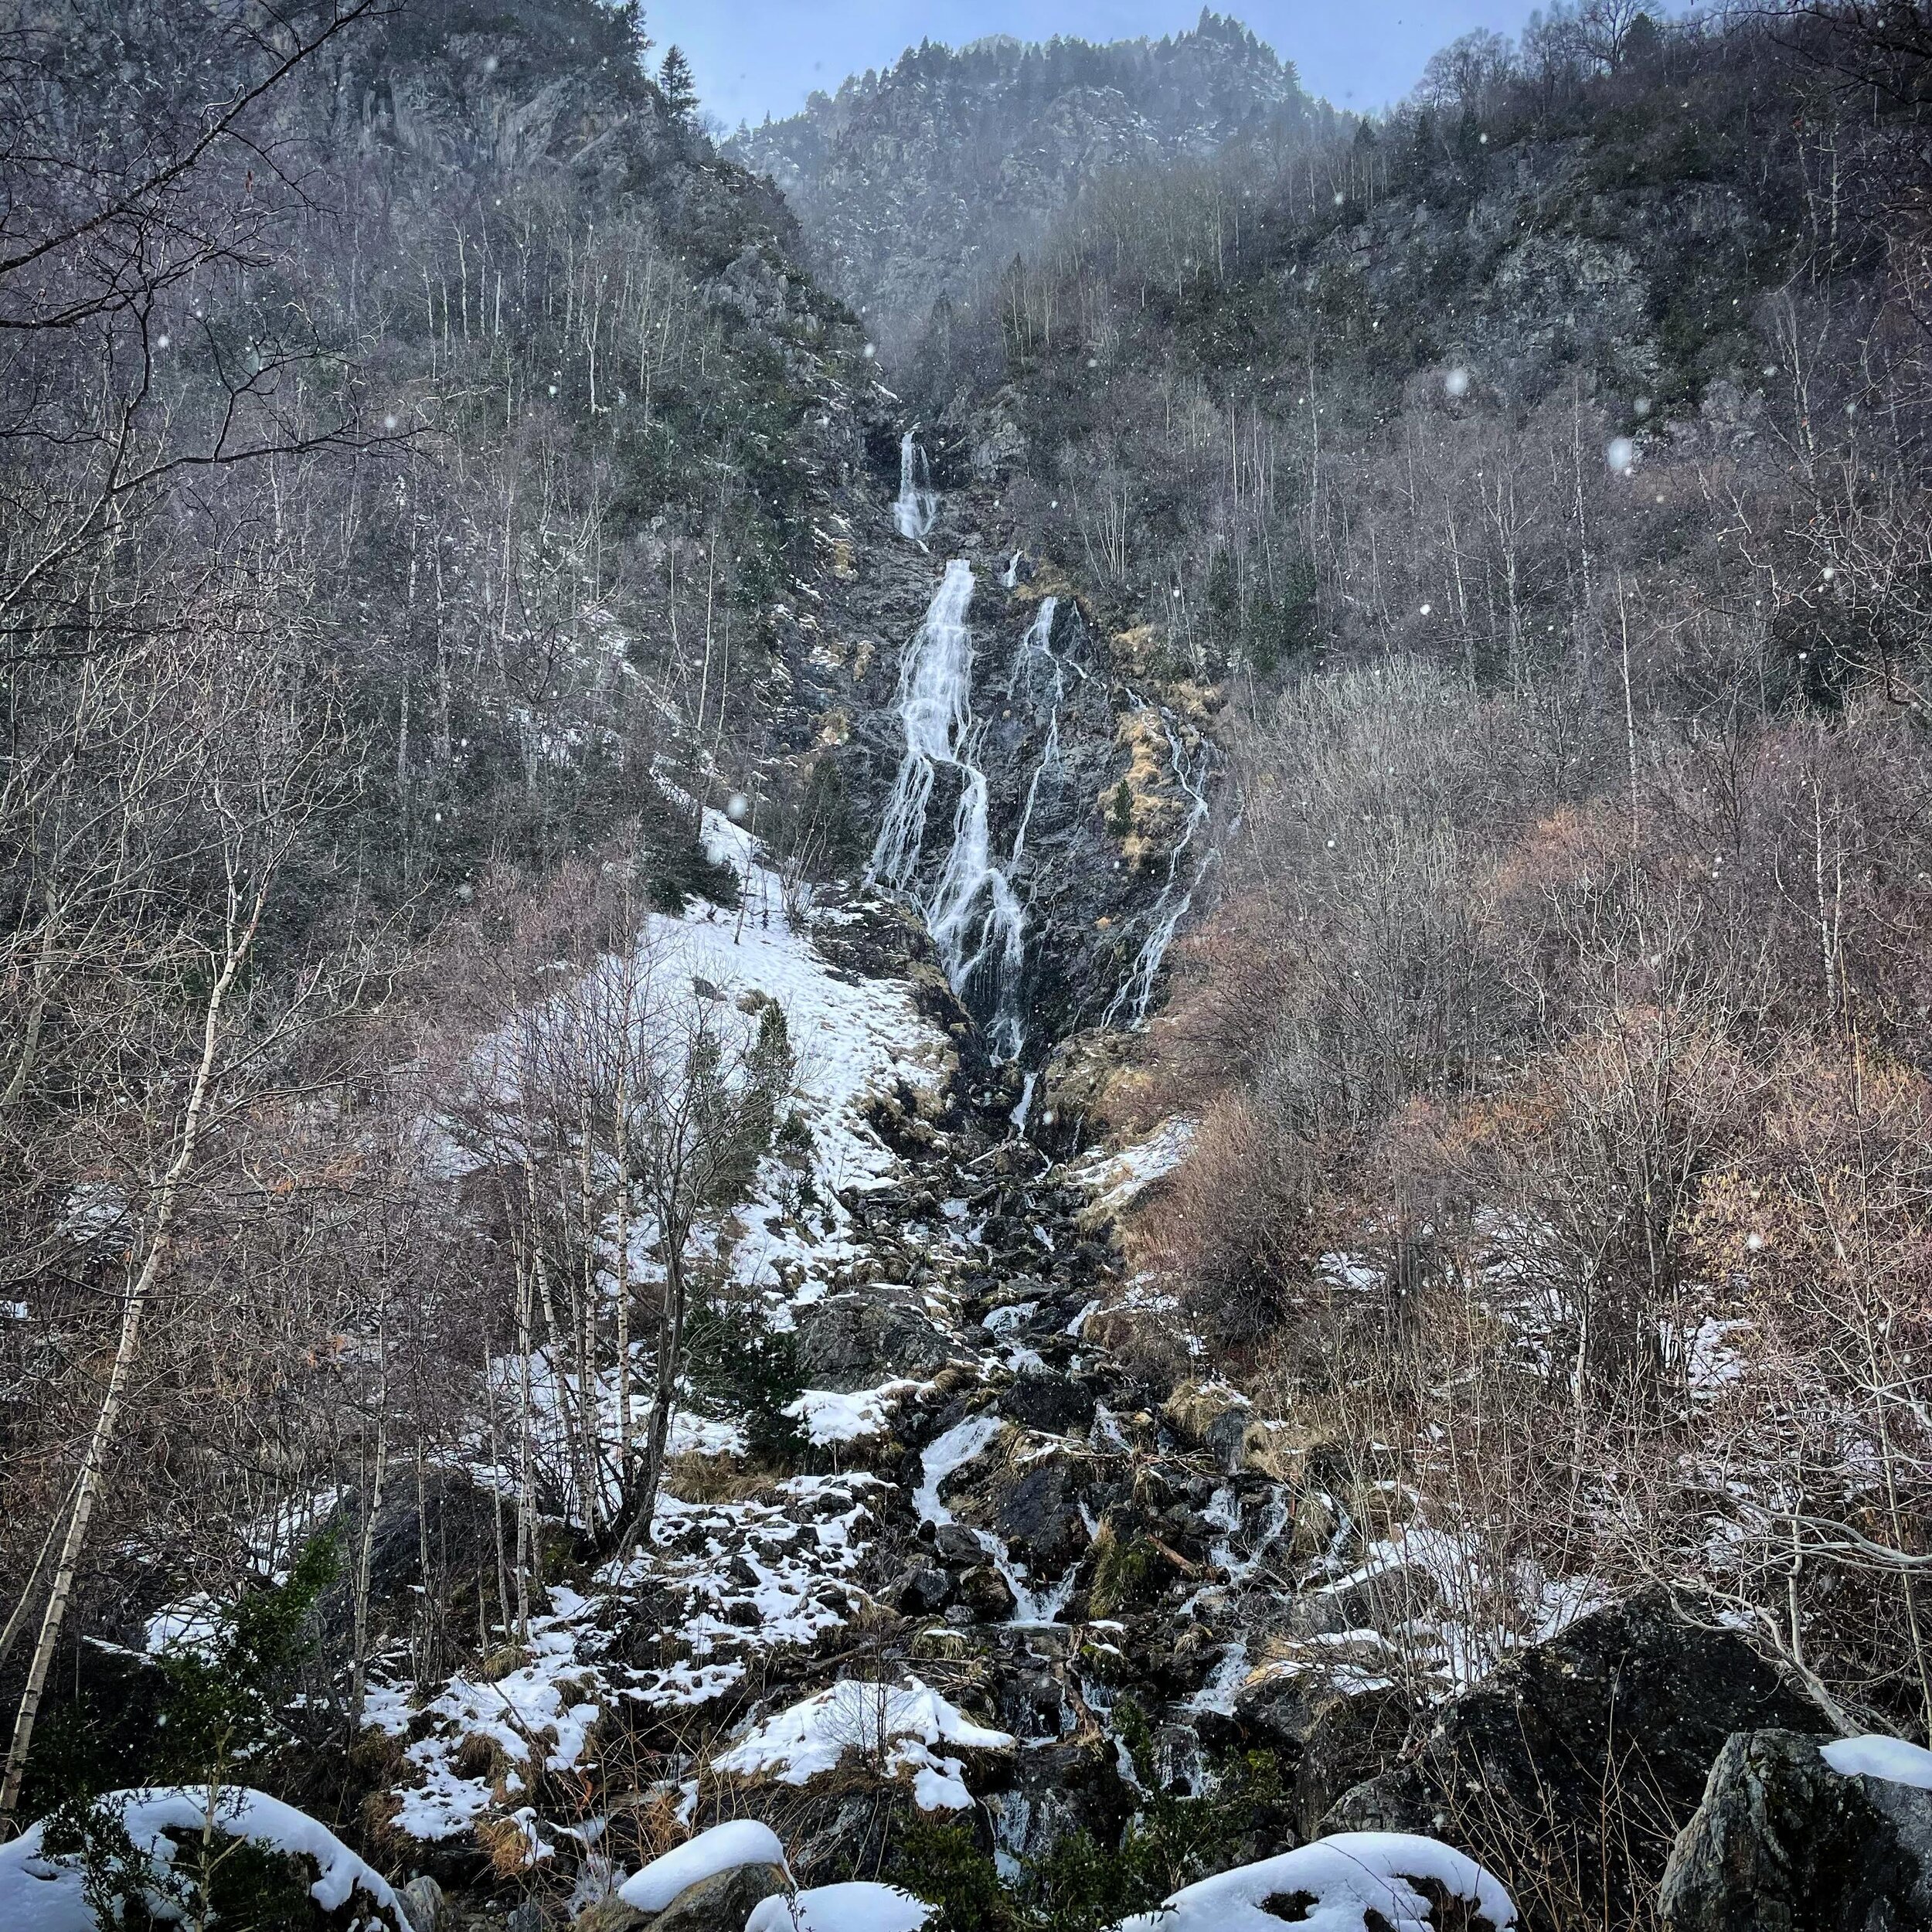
(852, 1038)
(1117, 1177)
(898, 1725)
(743, 1578)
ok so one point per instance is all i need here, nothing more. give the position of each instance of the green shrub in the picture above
(741, 1365)
(941, 1864)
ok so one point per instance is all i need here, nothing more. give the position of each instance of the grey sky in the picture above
(756, 56)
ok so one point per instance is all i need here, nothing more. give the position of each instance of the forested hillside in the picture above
(1010, 1017)
(919, 184)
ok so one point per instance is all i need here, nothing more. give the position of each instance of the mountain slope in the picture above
(914, 183)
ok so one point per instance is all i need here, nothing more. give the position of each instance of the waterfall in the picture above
(1036, 645)
(917, 506)
(978, 924)
(953, 1450)
(1011, 578)
(1137, 990)
(935, 693)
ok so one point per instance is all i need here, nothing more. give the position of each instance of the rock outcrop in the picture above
(1583, 1755)
(1783, 1839)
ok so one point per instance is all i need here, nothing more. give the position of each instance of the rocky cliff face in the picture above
(914, 184)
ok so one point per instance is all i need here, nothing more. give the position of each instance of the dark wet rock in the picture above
(859, 1339)
(956, 1544)
(1782, 1840)
(1537, 1768)
(1330, 1729)
(986, 1595)
(1054, 1404)
(1038, 1515)
(923, 1591)
(1033, 1703)
(833, 1833)
(1059, 1789)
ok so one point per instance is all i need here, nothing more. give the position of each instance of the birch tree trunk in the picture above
(93, 1465)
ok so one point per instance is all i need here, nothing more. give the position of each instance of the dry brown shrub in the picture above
(693, 1478)
(1234, 1223)
(506, 1844)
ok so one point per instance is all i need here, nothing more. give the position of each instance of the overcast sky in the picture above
(758, 56)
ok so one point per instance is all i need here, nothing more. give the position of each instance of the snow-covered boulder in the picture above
(42, 1891)
(1795, 1831)
(859, 1907)
(1355, 1882)
(712, 1883)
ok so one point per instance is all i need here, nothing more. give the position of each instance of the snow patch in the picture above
(857, 1906)
(898, 1726)
(723, 1848)
(1890, 1759)
(39, 1892)
(1348, 1877)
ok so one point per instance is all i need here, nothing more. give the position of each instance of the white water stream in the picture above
(977, 923)
(917, 507)
(953, 1450)
(1035, 649)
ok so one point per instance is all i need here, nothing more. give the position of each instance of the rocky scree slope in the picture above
(1036, 1580)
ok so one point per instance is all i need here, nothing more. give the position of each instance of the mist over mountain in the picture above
(916, 182)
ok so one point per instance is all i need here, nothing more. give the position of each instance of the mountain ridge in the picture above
(1011, 133)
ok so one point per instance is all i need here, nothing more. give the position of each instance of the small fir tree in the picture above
(679, 87)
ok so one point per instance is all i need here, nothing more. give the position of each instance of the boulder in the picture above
(1579, 1758)
(986, 1595)
(857, 1340)
(721, 1902)
(1054, 1404)
(957, 1545)
(427, 1908)
(1782, 1840)
(1210, 1416)
(610, 1915)
(920, 1591)
(1038, 1515)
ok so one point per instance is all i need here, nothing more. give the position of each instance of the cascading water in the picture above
(935, 695)
(1137, 990)
(977, 923)
(1036, 646)
(917, 507)
(953, 1450)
